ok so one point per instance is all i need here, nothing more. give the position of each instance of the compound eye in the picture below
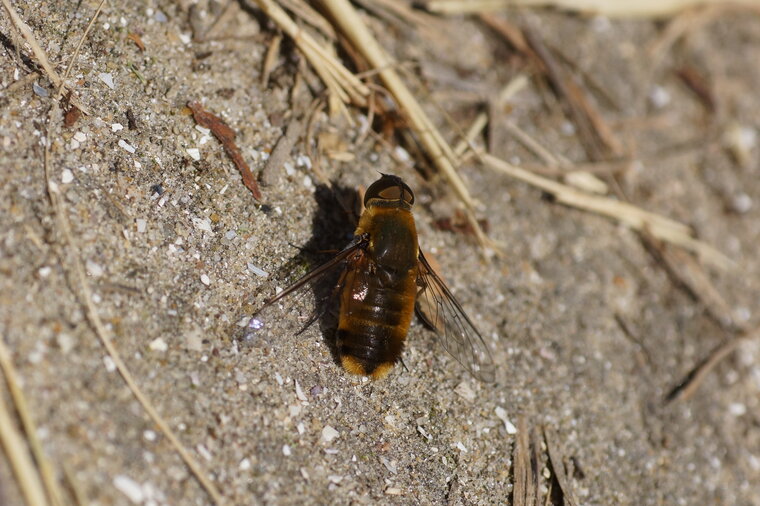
(389, 188)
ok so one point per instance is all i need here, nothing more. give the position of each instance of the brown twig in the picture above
(47, 474)
(226, 136)
(697, 375)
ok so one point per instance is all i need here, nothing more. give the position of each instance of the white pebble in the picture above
(329, 434)
(141, 225)
(299, 393)
(158, 344)
(67, 176)
(205, 279)
(108, 362)
(659, 97)
(194, 153)
(286, 450)
(461, 447)
(107, 78)
(742, 203)
(130, 488)
(501, 413)
(258, 271)
(737, 409)
(303, 161)
(126, 146)
(65, 342)
(93, 269)
(80, 136)
(245, 464)
(203, 224)
(44, 271)
(149, 435)
(465, 391)
(115, 127)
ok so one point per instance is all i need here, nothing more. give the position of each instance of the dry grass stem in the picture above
(513, 87)
(614, 9)
(438, 150)
(526, 478)
(694, 379)
(307, 13)
(557, 463)
(658, 226)
(20, 461)
(30, 429)
(40, 53)
(337, 78)
(273, 51)
(74, 56)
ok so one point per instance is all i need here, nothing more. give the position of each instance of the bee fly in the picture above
(382, 276)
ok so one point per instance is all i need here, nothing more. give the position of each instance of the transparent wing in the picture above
(325, 281)
(441, 311)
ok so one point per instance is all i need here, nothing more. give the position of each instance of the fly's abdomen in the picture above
(374, 321)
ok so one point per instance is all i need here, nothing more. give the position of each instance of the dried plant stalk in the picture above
(30, 429)
(18, 456)
(658, 226)
(439, 151)
(338, 79)
(611, 8)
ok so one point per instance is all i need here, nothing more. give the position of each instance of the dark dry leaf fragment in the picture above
(135, 37)
(226, 136)
(71, 116)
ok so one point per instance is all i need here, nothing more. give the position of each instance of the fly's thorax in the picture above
(392, 235)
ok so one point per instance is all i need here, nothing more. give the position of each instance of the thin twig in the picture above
(609, 8)
(39, 53)
(73, 58)
(659, 226)
(20, 461)
(694, 379)
(30, 429)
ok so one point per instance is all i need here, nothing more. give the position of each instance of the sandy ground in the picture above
(172, 243)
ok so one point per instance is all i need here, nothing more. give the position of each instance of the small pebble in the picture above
(67, 176)
(194, 153)
(659, 97)
(205, 280)
(126, 146)
(465, 391)
(107, 78)
(299, 392)
(329, 434)
(257, 271)
(108, 362)
(286, 450)
(158, 344)
(115, 127)
(130, 488)
(501, 413)
(39, 90)
(93, 269)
